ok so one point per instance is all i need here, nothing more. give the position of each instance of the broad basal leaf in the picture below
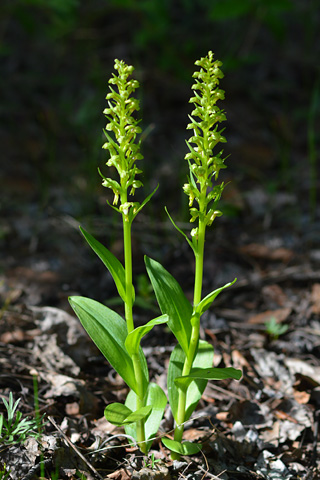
(172, 301)
(157, 399)
(206, 302)
(108, 330)
(118, 414)
(208, 374)
(203, 358)
(133, 340)
(184, 448)
(111, 262)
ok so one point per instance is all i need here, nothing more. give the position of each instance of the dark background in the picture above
(56, 59)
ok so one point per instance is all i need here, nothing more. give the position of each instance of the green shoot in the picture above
(13, 428)
(4, 472)
(274, 329)
(151, 461)
(119, 341)
(191, 361)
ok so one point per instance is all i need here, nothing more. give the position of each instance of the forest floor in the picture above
(262, 427)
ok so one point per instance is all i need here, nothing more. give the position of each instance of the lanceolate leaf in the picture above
(207, 300)
(185, 448)
(108, 330)
(145, 201)
(157, 399)
(118, 414)
(138, 415)
(111, 262)
(203, 358)
(133, 340)
(179, 229)
(172, 301)
(208, 374)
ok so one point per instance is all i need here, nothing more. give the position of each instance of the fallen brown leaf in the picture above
(315, 298)
(257, 250)
(281, 314)
(275, 294)
(301, 397)
(121, 474)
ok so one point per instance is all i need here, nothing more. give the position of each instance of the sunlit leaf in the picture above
(138, 415)
(108, 330)
(157, 399)
(116, 413)
(119, 414)
(203, 358)
(172, 301)
(179, 229)
(208, 374)
(145, 201)
(133, 340)
(207, 301)
(184, 448)
(115, 267)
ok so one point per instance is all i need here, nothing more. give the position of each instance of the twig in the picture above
(75, 449)
(36, 468)
(211, 475)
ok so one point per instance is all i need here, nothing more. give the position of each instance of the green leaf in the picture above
(208, 374)
(172, 301)
(111, 262)
(179, 230)
(145, 201)
(207, 301)
(138, 415)
(204, 358)
(184, 448)
(119, 414)
(133, 339)
(108, 330)
(157, 399)
(116, 413)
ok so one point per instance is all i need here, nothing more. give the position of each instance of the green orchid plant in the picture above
(13, 428)
(118, 339)
(190, 365)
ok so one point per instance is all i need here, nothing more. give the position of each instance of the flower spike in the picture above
(123, 127)
(204, 165)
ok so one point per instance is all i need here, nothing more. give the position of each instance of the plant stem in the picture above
(129, 319)
(194, 339)
(141, 437)
(199, 263)
(128, 272)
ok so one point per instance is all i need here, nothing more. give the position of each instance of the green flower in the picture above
(204, 164)
(123, 127)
